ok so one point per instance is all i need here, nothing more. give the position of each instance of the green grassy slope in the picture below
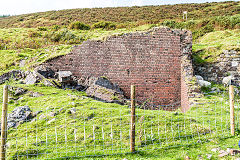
(207, 48)
(99, 128)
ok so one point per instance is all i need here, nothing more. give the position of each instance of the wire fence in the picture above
(90, 128)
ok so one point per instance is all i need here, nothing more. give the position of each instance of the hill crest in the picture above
(135, 14)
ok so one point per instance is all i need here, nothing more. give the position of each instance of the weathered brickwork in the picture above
(189, 87)
(150, 60)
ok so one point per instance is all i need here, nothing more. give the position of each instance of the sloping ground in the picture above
(11, 59)
(126, 15)
(208, 47)
(74, 126)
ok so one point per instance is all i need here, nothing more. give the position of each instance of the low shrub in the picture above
(235, 21)
(55, 28)
(104, 25)
(174, 24)
(42, 28)
(202, 31)
(79, 25)
(222, 21)
(169, 23)
(34, 34)
(226, 22)
(191, 25)
(64, 36)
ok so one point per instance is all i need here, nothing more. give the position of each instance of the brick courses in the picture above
(151, 60)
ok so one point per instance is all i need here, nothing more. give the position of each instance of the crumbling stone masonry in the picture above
(226, 64)
(158, 62)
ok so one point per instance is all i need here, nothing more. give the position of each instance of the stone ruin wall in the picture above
(158, 62)
(226, 64)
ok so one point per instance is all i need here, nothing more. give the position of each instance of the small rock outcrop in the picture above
(227, 80)
(45, 71)
(203, 83)
(18, 116)
(39, 73)
(31, 78)
(17, 91)
(49, 84)
(35, 94)
(227, 63)
(72, 111)
(199, 77)
(14, 74)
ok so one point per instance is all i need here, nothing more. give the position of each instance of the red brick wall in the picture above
(150, 60)
(184, 95)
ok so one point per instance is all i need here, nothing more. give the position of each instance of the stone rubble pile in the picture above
(102, 89)
(19, 115)
(96, 87)
(225, 66)
(12, 75)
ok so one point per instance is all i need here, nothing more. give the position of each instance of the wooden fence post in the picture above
(231, 98)
(132, 132)
(4, 123)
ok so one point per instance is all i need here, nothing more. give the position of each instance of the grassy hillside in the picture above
(100, 128)
(208, 47)
(122, 15)
(161, 135)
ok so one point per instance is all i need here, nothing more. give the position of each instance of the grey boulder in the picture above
(31, 78)
(45, 71)
(19, 115)
(199, 77)
(102, 89)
